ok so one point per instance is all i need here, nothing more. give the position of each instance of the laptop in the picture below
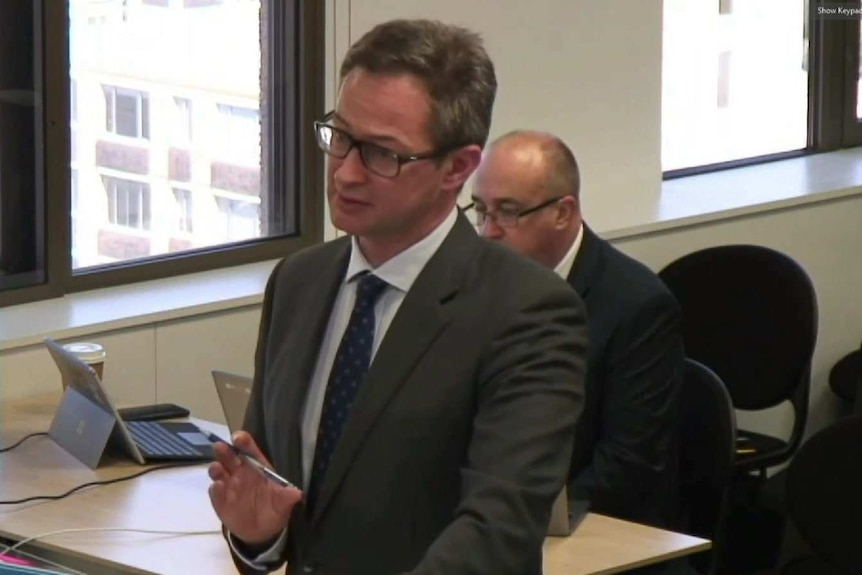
(566, 515)
(87, 420)
(234, 392)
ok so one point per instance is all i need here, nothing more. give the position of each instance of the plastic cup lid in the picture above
(86, 352)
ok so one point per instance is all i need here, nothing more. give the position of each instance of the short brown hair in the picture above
(452, 63)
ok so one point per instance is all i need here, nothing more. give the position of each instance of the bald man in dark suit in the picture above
(625, 460)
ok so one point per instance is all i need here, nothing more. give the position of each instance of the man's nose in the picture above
(351, 168)
(490, 229)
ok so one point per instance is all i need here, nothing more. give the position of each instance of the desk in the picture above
(177, 500)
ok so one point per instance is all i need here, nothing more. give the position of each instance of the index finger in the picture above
(226, 457)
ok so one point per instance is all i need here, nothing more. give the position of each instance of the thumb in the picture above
(284, 499)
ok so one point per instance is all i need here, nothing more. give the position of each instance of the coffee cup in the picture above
(93, 354)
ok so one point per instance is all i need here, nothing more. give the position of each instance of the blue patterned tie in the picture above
(348, 372)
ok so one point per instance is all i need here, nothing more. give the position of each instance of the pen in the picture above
(258, 466)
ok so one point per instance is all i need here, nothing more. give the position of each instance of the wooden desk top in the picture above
(177, 500)
(174, 499)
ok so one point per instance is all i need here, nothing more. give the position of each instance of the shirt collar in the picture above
(402, 270)
(564, 268)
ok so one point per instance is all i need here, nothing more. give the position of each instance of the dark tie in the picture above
(348, 372)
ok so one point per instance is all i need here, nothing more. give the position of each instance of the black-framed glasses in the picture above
(382, 161)
(507, 217)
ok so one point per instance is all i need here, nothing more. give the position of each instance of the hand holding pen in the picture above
(253, 502)
(250, 459)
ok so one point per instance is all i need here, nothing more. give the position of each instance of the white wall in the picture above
(588, 71)
(153, 363)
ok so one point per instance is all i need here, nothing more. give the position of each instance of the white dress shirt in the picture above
(564, 268)
(400, 272)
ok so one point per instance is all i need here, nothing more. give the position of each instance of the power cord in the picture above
(97, 483)
(22, 440)
(92, 529)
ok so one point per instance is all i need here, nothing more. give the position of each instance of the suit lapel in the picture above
(587, 263)
(421, 318)
(314, 312)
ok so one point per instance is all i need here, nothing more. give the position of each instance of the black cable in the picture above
(22, 440)
(98, 483)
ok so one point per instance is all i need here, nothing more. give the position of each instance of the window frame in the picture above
(290, 161)
(142, 111)
(833, 55)
(118, 188)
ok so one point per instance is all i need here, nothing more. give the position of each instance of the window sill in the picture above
(739, 192)
(683, 202)
(84, 313)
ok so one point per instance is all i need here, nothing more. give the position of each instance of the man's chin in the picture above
(347, 224)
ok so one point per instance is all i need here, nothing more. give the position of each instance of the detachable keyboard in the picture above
(155, 441)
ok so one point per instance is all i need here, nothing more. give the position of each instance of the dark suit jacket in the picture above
(461, 436)
(625, 459)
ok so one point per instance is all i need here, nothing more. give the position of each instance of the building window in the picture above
(734, 81)
(240, 134)
(168, 132)
(240, 219)
(128, 203)
(183, 202)
(73, 100)
(182, 123)
(127, 112)
(756, 80)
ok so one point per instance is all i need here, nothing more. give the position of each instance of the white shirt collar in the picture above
(564, 268)
(402, 270)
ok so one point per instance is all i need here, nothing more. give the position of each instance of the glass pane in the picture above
(734, 80)
(21, 181)
(167, 125)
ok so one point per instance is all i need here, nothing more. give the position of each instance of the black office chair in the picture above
(824, 500)
(707, 447)
(845, 380)
(750, 315)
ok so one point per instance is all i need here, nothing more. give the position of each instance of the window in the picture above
(128, 203)
(127, 112)
(240, 218)
(740, 88)
(754, 80)
(240, 127)
(22, 185)
(183, 199)
(76, 214)
(73, 101)
(182, 123)
(185, 152)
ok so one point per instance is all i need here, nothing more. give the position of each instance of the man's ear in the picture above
(459, 165)
(568, 208)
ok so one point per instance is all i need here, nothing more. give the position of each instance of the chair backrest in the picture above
(750, 314)
(707, 449)
(824, 493)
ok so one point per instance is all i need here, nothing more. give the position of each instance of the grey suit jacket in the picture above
(461, 436)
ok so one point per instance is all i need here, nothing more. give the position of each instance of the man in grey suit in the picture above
(420, 385)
